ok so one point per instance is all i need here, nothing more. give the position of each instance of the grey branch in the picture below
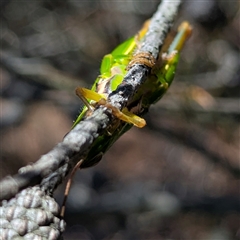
(51, 169)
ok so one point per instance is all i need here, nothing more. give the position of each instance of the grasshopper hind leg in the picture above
(100, 99)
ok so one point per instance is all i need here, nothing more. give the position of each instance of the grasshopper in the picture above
(113, 69)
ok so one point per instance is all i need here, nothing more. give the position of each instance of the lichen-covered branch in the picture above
(51, 169)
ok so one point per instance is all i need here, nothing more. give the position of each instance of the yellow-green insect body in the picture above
(113, 70)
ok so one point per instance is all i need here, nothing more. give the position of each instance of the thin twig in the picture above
(68, 186)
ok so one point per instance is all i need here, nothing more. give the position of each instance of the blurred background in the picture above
(177, 178)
